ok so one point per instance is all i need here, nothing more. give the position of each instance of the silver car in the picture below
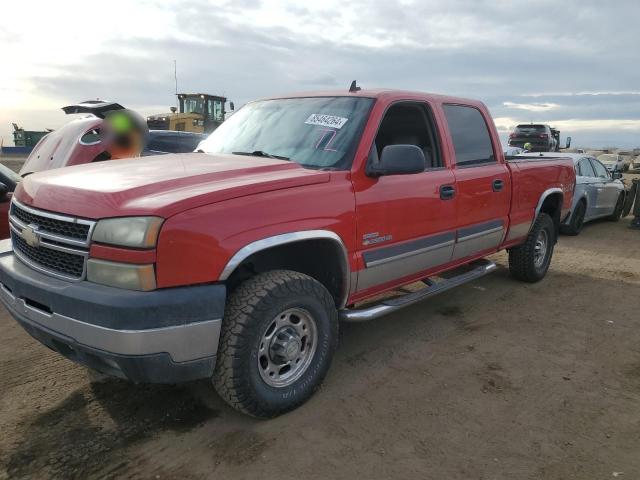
(613, 162)
(598, 194)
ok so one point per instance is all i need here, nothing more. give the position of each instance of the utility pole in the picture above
(175, 78)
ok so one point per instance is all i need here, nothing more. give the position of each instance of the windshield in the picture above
(193, 105)
(317, 132)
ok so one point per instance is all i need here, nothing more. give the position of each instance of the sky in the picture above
(573, 64)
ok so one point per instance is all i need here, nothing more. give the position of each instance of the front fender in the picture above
(198, 245)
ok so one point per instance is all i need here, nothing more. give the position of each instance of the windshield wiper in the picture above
(261, 153)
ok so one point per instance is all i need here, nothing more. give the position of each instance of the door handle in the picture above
(497, 185)
(447, 192)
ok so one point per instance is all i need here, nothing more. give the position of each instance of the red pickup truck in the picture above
(237, 263)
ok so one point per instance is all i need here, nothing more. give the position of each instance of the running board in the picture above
(480, 269)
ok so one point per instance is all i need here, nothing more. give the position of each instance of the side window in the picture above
(470, 135)
(601, 171)
(409, 124)
(585, 169)
(215, 110)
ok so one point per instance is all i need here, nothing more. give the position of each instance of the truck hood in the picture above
(159, 185)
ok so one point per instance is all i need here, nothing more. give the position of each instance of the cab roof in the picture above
(380, 94)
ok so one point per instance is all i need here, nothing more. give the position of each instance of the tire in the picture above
(527, 262)
(577, 220)
(629, 199)
(617, 212)
(264, 316)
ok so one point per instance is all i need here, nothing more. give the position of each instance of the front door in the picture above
(484, 186)
(406, 223)
(586, 177)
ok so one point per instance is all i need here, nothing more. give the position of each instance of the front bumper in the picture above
(163, 336)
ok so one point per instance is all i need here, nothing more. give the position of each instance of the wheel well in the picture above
(322, 259)
(552, 206)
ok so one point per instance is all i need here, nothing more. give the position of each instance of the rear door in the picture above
(483, 185)
(607, 192)
(406, 225)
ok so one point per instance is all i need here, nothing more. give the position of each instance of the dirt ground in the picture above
(14, 162)
(494, 380)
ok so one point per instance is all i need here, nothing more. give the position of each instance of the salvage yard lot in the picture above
(495, 379)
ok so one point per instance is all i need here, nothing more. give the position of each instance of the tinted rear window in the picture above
(470, 135)
(531, 128)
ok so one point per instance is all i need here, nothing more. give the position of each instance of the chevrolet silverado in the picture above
(237, 263)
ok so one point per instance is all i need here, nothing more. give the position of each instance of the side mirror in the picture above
(398, 160)
(616, 175)
(3, 191)
(568, 145)
(232, 107)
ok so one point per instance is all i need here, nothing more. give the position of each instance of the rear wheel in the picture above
(617, 212)
(577, 220)
(530, 261)
(277, 341)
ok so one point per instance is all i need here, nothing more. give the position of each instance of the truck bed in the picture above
(532, 177)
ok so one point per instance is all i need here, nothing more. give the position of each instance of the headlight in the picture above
(136, 232)
(121, 275)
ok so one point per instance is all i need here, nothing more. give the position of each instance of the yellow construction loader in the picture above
(198, 113)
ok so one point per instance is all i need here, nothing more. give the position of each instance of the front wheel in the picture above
(278, 338)
(530, 261)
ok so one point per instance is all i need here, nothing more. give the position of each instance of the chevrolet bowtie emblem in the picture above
(30, 236)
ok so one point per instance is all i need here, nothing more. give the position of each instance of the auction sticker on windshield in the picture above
(326, 120)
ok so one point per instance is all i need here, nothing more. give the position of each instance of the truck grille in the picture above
(54, 225)
(54, 244)
(63, 263)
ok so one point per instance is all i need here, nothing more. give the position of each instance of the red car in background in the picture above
(82, 140)
(89, 139)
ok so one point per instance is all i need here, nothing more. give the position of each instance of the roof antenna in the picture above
(354, 88)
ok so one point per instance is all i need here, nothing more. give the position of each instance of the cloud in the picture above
(579, 67)
(531, 107)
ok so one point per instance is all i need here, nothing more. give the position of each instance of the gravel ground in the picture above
(494, 380)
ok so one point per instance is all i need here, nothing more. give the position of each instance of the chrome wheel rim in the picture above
(287, 347)
(540, 249)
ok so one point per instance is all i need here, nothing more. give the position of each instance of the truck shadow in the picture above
(92, 428)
